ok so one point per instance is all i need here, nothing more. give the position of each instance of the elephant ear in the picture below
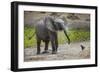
(49, 22)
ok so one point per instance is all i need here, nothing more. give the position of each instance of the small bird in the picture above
(82, 47)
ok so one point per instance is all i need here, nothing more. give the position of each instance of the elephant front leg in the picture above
(53, 43)
(56, 42)
(53, 47)
(38, 46)
(46, 47)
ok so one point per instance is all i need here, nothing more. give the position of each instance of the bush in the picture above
(79, 35)
(28, 32)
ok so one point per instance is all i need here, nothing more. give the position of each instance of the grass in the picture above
(74, 35)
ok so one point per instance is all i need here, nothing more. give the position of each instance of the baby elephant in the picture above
(46, 31)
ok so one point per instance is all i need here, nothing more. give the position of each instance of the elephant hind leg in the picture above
(46, 47)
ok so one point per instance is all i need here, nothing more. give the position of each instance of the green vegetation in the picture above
(75, 35)
(28, 32)
(79, 35)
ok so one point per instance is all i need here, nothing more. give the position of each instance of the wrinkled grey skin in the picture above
(46, 31)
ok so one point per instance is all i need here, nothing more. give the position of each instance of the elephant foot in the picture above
(38, 53)
(45, 52)
(54, 52)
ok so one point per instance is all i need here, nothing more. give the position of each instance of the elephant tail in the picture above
(31, 36)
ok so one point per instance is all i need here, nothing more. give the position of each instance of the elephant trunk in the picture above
(67, 36)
